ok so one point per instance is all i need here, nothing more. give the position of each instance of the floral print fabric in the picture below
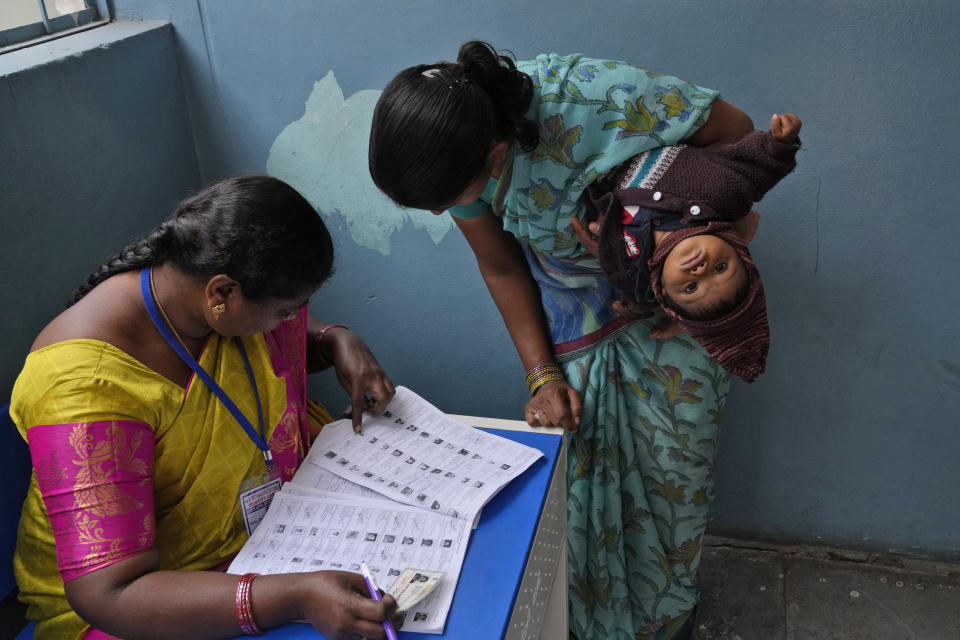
(640, 467)
(593, 115)
(96, 481)
(639, 482)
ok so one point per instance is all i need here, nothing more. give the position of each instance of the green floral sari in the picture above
(640, 469)
(639, 482)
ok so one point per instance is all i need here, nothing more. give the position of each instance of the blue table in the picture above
(496, 556)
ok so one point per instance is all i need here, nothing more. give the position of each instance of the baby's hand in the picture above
(588, 235)
(785, 128)
(747, 226)
(630, 310)
(666, 329)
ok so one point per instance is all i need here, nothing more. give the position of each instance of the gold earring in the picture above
(218, 310)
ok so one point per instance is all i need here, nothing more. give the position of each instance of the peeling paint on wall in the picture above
(324, 156)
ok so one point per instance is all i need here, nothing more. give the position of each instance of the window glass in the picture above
(25, 22)
(64, 7)
(16, 13)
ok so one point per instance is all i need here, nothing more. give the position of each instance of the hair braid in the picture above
(255, 229)
(149, 250)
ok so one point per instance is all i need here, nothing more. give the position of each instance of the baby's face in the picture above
(702, 272)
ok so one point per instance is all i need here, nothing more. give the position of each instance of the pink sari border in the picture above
(287, 345)
(567, 348)
(96, 479)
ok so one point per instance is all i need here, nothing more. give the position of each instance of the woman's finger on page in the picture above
(358, 404)
(381, 392)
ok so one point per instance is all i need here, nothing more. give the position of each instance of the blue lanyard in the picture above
(259, 439)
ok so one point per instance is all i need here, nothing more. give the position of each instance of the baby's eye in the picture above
(720, 267)
(690, 287)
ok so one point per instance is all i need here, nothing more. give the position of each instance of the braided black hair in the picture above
(256, 229)
(434, 124)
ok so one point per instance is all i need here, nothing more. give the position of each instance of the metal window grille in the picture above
(66, 17)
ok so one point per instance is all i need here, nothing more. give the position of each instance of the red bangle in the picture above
(322, 331)
(244, 608)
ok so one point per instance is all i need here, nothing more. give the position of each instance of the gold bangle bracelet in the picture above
(542, 369)
(540, 383)
(542, 374)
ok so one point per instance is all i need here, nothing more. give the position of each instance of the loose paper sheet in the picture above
(417, 455)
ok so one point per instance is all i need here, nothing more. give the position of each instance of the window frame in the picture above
(96, 14)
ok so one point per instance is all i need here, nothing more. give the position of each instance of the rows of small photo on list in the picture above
(437, 441)
(306, 548)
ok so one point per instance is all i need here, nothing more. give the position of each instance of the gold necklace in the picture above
(166, 320)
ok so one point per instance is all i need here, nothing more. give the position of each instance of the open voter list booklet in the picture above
(405, 492)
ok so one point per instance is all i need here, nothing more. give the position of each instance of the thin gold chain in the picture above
(156, 299)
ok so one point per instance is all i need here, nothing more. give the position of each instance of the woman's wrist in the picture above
(323, 331)
(541, 375)
(323, 354)
(280, 598)
(244, 606)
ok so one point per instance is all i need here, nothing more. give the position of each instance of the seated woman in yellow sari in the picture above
(175, 381)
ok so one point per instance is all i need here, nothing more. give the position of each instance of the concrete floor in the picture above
(754, 591)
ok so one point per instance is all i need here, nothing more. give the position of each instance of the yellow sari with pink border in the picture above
(125, 459)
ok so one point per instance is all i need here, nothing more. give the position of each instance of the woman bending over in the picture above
(509, 150)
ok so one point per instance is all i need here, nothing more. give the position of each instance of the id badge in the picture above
(256, 494)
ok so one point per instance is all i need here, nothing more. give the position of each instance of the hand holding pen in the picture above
(375, 594)
(338, 604)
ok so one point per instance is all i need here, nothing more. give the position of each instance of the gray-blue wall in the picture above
(95, 147)
(851, 436)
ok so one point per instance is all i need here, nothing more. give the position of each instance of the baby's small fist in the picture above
(785, 127)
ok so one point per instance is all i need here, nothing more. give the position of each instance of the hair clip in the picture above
(438, 74)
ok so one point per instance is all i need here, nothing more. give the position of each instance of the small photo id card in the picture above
(413, 585)
(254, 502)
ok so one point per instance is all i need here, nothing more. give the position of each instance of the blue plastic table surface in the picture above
(496, 555)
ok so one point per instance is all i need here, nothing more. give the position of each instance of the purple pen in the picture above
(375, 594)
